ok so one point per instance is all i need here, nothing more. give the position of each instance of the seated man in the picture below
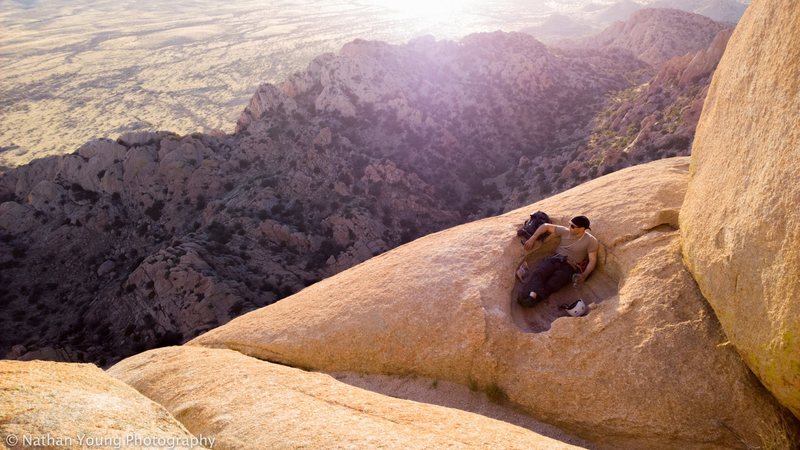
(555, 272)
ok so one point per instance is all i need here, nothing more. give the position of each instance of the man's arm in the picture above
(531, 243)
(590, 266)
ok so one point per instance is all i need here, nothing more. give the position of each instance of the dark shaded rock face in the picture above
(123, 246)
(155, 238)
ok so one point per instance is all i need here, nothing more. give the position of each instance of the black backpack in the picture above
(529, 227)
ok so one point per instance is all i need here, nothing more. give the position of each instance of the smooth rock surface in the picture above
(645, 368)
(739, 224)
(75, 404)
(257, 404)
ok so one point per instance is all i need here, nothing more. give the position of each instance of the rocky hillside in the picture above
(656, 35)
(651, 121)
(648, 121)
(729, 11)
(154, 238)
(454, 114)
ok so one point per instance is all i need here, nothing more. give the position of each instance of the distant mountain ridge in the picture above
(729, 11)
(582, 21)
(656, 35)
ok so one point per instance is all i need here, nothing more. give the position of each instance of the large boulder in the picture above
(256, 404)
(62, 405)
(645, 368)
(739, 223)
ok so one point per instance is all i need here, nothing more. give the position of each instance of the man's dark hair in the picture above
(581, 221)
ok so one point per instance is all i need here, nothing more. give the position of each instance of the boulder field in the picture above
(739, 224)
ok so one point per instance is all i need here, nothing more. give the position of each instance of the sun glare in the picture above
(424, 9)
